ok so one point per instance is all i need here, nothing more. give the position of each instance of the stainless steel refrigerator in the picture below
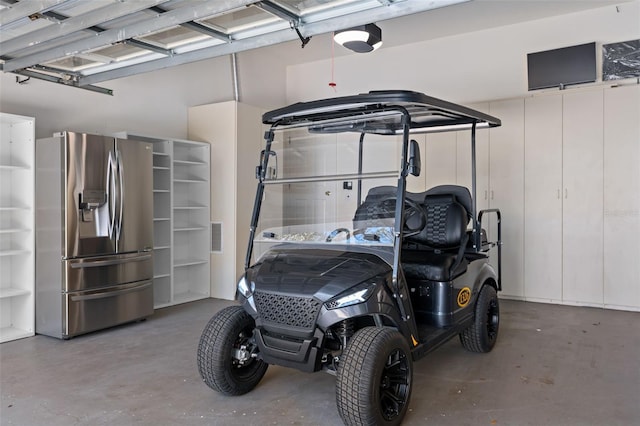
(94, 233)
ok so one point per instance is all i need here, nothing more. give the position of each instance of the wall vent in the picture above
(216, 237)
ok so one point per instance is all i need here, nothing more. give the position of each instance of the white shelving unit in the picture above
(191, 212)
(17, 259)
(181, 211)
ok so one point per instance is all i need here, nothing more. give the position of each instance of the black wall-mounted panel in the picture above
(562, 67)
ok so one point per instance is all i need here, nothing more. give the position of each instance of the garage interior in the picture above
(563, 168)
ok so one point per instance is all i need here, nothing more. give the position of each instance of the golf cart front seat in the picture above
(437, 252)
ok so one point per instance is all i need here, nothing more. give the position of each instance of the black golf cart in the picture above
(360, 288)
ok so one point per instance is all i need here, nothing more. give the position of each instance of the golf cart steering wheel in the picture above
(411, 211)
(335, 233)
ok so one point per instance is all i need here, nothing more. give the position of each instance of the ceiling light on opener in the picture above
(361, 39)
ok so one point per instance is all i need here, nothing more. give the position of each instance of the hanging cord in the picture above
(332, 83)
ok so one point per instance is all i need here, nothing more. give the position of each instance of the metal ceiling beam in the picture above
(194, 26)
(53, 79)
(169, 19)
(74, 24)
(280, 12)
(23, 9)
(394, 10)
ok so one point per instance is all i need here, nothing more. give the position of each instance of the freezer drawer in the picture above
(106, 271)
(97, 309)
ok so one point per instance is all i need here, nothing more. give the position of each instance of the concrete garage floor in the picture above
(552, 365)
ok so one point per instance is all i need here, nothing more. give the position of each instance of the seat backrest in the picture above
(374, 209)
(446, 222)
(462, 194)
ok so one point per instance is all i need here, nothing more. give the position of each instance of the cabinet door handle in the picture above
(485, 194)
(492, 194)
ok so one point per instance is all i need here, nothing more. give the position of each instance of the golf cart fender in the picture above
(486, 276)
(380, 306)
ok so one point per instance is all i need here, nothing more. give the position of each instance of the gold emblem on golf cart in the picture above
(464, 296)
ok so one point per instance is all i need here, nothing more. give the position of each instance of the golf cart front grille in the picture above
(287, 310)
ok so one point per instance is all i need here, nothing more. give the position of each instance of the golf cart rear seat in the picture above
(437, 252)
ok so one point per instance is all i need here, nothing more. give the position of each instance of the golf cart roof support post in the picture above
(257, 204)
(399, 219)
(360, 147)
(476, 235)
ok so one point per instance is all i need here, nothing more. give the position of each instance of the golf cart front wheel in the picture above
(374, 378)
(225, 353)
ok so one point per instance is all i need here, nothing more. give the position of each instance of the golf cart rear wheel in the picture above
(224, 353)
(374, 378)
(481, 336)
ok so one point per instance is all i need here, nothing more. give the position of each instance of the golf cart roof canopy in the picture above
(378, 112)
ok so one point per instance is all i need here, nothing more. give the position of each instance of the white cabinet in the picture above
(235, 133)
(543, 198)
(181, 232)
(582, 214)
(506, 190)
(622, 197)
(17, 259)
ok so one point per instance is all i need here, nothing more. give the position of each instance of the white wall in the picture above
(154, 103)
(478, 66)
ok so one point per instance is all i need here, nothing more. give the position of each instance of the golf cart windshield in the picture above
(334, 172)
(314, 184)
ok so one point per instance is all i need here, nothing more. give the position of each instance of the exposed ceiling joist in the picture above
(83, 42)
(262, 40)
(17, 11)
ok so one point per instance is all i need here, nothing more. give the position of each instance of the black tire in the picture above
(219, 367)
(374, 378)
(481, 336)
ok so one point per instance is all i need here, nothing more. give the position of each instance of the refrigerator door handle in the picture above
(111, 196)
(110, 293)
(110, 262)
(120, 193)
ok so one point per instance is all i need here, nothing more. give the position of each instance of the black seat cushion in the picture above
(428, 265)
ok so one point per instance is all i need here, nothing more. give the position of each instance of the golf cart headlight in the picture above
(245, 287)
(356, 295)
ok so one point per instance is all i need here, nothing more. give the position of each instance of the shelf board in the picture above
(13, 167)
(189, 207)
(160, 168)
(160, 190)
(161, 219)
(160, 154)
(14, 230)
(161, 247)
(190, 228)
(13, 292)
(12, 333)
(190, 162)
(13, 252)
(189, 296)
(178, 263)
(161, 276)
(13, 208)
(190, 180)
